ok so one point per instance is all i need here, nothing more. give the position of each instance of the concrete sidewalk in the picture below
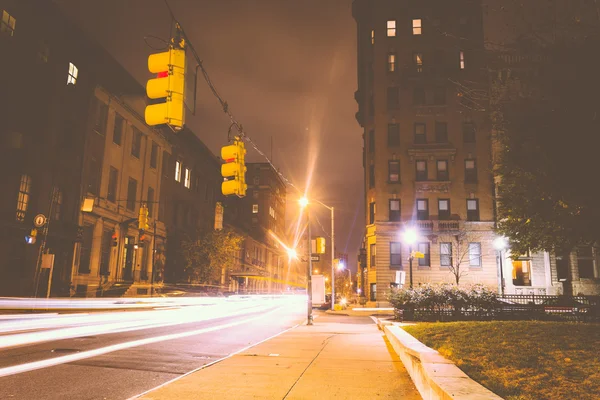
(339, 357)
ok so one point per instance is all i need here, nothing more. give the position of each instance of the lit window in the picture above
(254, 208)
(424, 248)
(422, 209)
(372, 36)
(421, 170)
(272, 212)
(417, 27)
(72, 77)
(178, 171)
(475, 254)
(188, 178)
(395, 253)
(57, 203)
(7, 25)
(418, 60)
(394, 171)
(391, 62)
(442, 170)
(472, 209)
(394, 211)
(470, 171)
(446, 254)
(391, 28)
(443, 209)
(462, 60)
(23, 197)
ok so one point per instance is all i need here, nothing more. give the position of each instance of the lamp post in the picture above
(309, 316)
(410, 237)
(500, 243)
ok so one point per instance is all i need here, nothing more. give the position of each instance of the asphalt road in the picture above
(123, 364)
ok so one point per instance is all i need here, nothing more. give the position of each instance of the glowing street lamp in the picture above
(410, 237)
(303, 202)
(292, 253)
(500, 243)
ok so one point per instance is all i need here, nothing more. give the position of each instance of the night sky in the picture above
(288, 71)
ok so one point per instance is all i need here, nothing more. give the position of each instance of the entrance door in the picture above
(128, 258)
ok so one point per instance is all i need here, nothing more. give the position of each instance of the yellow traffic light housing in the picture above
(234, 169)
(143, 217)
(170, 85)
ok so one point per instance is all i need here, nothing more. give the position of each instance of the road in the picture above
(117, 355)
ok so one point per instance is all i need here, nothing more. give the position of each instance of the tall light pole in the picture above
(309, 316)
(410, 237)
(500, 244)
(332, 252)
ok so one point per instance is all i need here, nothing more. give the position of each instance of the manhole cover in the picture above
(64, 351)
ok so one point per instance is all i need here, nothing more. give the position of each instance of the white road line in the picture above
(18, 369)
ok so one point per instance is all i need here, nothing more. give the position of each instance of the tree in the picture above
(456, 252)
(210, 252)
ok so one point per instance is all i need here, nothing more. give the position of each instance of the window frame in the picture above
(8, 25)
(394, 215)
(442, 174)
(473, 215)
(136, 143)
(131, 202)
(461, 60)
(118, 126)
(372, 212)
(418, 137)
(393, 137)
(23, 197)
(391, 62)
(178, 168)
(187, 178)
(371, 176)
(418, 62)
(112, 190)
(471, 173)
(446, 259)
(424, 262)
(396, 254)
(417, 26)
(421, 175)
(479, 256)
(72, 74)
(154, 149)
(391, 26)
(444, 215)
(372, 255)
(422, 215)
(392, 170)
(441, 132)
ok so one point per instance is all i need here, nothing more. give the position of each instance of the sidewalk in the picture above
(339, 357)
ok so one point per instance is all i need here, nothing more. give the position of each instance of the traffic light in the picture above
(115, 239)
(142, 240)
(143, 217)
(234, 169)
(169, 85)
(31, 238)
(320, 245)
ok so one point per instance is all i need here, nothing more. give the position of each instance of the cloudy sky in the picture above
(287, 69)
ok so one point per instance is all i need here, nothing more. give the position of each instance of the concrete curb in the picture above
(434, 376)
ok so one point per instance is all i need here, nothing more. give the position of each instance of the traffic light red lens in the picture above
(163, 74)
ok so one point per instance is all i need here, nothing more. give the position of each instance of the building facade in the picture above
(427, 148)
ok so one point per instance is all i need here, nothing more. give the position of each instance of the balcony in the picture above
(437, 226)
(446, 150)
(432, 186)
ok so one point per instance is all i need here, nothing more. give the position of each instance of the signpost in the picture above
(39, 220)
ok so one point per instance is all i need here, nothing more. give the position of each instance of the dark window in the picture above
(136, 143)
(445, 254)
(442, 170)
(468, 132)
(419, 96)
(396, 253)
(472, 209)
(438, 60)
(585, 262)
(371, 176)
(422, 209)
(113, 178)
(393, 97)
(154, 155)
(371, 141)
(424, 248)
(85, 251)
(563, 266)
(372, 213)
(475, 254)
(470, 171)
(371, 106)
(118, 131)
(420, 133)
(418, 62)
(393, 134)
(421, 169)
(373, 254)
(439, 95)
(165, 164)
(443, 209)
(150, 202)
(100, 116)
(94, 178)
(131, 194)
(394, 210)
(441, 132)
(105, 247)
(394, 171)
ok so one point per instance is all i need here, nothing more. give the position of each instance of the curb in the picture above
(434, 376)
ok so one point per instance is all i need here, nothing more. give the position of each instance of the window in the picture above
(136, 143)
(446, 254)
(585, 262)
(418, 61)
(272, 212)
(462, 59)
(443, 209)
(23, 197)
(105, 246)
(150, 202)
(396, 253)
(118, 130)
(521, 271)
(373, 254)
(187, 182)
(475, 254)
(393, 171)
(372, 141)
(393, 97)
(85, 251)
(113, 176)
(420, 133)
(100, 116)
(254, 208)
(563, 266)
(417, 26)
(391, 62)
(393, 134)
(154, 155)
(373, 292)
(473, 210)
(372, 36)
(72, 76)
(439, 95)
(165, 164)
(418, 96)
(57, 200)
(391, 28)
(94, 177)
(372, 213)
(442, 170)
(394, 210)
(371, 176)
(421, 167)
(441, 132)
(424, 248)
(422, 209)
(7, 25)
(178, 171)
(468, 132)
(255, 194)
(131, 194)
(470, 171)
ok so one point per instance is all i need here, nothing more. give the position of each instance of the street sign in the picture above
(315, 258)
(418, 254)
(39, 220)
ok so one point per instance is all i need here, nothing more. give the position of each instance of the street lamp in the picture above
(500, 243)
(410, 237)
(309, 317)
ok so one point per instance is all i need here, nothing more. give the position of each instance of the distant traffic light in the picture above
(234, 169)
(143, 217)
(31, 238)
(115, 239)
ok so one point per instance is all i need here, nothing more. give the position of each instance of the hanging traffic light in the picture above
(234, 169)
(31, 238)
(169, 85)
(141, 241)
(143, 217)
(115, 239)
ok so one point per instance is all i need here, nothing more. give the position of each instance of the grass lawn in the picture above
(522, 360)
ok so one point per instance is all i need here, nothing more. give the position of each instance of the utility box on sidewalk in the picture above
(318, 290)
